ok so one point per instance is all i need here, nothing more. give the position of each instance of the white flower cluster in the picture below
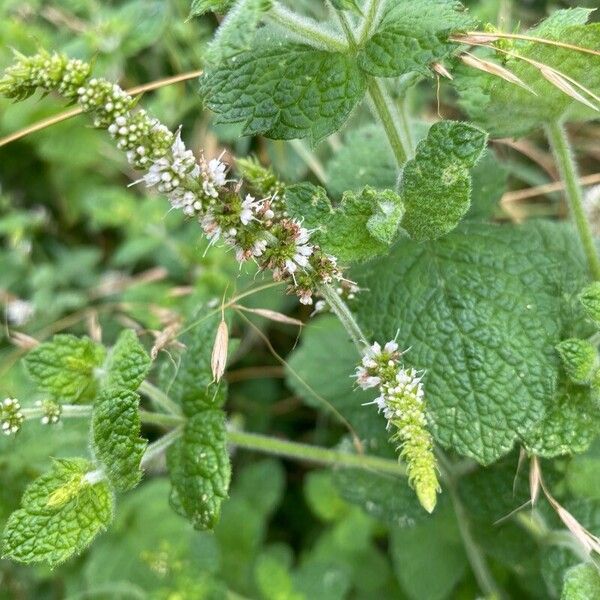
(114, 101)
(380, 368)
(19, 312)
(51, 412)
(256, 229)
(402, 401)
(11, 417)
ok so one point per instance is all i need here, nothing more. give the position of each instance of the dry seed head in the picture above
(494, 69)
(272, 315)
(472, 39)
(218, 359)
(23, 341)
(535, 478)
(560, 81)
(440, 69)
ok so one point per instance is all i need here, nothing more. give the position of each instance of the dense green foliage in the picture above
(279, 327)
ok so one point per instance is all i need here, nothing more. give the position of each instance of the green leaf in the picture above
(128, 362)
(412, 35)
(61, 514)
(365, 159)
(237, 31)
(201, 7)
(581, 583)
(488, 184)
(284, 90)
(507, 110)
(323, 497)
(590, 300)
(199, 469)
(579, 358)
(193, 386)
(362, 226)
(436, 184)
(480, 310)
(429, 558)
(569, 424)
(351, 5)
(324, 362)
(64, 367)
(583, 473)
(116, 437)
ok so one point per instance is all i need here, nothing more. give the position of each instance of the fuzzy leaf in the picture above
(201, 7)
(580, 359)
(569, 424)
(362, 226)
(61, 514)
(116, 437)
(505, 109)
(199, 469)
(412, 35)
(284, 90)
(193, 387)
(590, 300)
(237, 31)
(480, 310)
(351, 5)
(429, 558)
(581, 583)
(64, 367)
(436, 184)
(364, 159)
(128, 362)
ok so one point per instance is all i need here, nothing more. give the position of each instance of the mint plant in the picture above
(452, 359)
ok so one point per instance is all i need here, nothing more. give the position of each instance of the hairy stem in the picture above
(306, 29)
(342, 312)
(162, 420)
(475, 556)
(371, 12)
(159, 398)
(315, 454)
(568, 171)
(387, 113)
(160, 445)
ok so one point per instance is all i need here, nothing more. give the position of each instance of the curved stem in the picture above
(475, 556)
(159, 398)
(568, 171)
(371, 12)
(387, 114)
(342, 312)
(305, 28)
(316, 454)
(160, 445)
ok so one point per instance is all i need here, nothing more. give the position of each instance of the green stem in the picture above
(342, 312)
(371, 11)
(315, 454)
(390, 119)
(160, 419)
(305, 28)
(568, 171)
(479, 566)
(160, 445)
(159, 398)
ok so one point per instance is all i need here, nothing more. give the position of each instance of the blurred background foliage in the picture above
(83, 252)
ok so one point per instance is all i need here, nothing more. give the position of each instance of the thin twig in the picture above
(73, 112)
(540, 190)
